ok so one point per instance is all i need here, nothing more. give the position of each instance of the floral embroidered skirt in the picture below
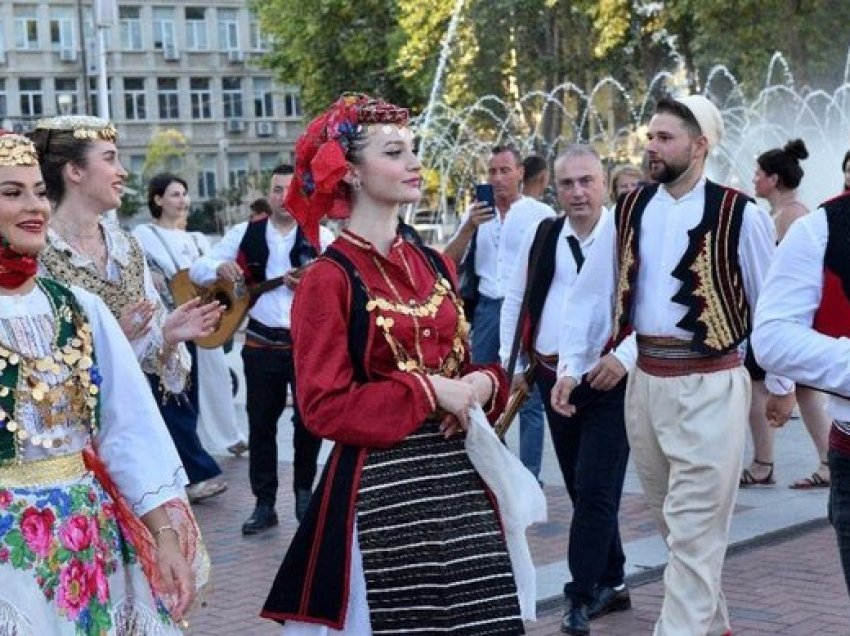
(65, 567)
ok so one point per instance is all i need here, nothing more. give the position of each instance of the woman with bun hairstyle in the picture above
(778, 174)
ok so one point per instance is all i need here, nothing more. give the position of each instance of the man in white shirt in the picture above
(256, 252)
(591, 446)
(486, 245)
(681, 265)
(802, 330)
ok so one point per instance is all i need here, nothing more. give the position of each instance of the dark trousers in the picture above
(180, 413)
(592, 451)
(268, 373)
(839, 507)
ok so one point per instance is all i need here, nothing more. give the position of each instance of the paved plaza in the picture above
(782, 575)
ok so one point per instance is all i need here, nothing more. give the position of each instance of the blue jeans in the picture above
(485, 350)
(592, 451)
(839, 507)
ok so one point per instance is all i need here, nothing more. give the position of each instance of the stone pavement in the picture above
(782, 575)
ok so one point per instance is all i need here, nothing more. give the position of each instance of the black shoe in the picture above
(263, 518)
(610, 599)
(575, 620)
(302, 501)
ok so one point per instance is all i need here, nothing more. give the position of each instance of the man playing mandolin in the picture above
(259, 252)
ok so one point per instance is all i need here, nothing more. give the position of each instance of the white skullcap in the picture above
(708, 117)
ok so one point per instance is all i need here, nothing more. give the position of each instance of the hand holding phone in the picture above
(484, 193)
(484, 207)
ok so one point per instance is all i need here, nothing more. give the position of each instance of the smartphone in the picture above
(484, 192)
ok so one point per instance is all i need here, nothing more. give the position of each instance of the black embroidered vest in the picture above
(253, 255)
(718, 314)
(832, 317)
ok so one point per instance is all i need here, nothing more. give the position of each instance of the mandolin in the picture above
(235, 297)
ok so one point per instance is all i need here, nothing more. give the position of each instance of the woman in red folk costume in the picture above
(401, 533)
(95, 534)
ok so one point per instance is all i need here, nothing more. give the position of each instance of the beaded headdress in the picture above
(83, 127)
(317, 189)
(16, 150)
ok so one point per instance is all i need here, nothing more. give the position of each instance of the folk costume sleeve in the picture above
(380, 412)
(512, 304)
(756, 249)
(203, 270)
(783, 338)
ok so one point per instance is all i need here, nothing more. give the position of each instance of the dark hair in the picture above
(55, 149)
(156, 188)
(532, 166)
(260, 206)
(844, 167)
(670, 106)
(785, 163)
(284, 168)
(497, 150)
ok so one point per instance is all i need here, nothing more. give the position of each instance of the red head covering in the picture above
(15, 267)
(317, 189)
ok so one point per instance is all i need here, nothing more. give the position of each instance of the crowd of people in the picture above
(645, 313)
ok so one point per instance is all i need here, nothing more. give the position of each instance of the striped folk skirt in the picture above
(434, 557)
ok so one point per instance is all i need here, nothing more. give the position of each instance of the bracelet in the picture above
(156, 533)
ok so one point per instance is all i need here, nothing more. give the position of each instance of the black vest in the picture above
(254, 251)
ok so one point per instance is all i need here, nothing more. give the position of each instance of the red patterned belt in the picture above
(669, 358)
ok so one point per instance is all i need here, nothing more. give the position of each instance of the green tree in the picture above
(331, 46)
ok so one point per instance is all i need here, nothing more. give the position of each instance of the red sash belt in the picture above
(670, 357)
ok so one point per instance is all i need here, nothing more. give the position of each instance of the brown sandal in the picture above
(815, 480)
(748, 479)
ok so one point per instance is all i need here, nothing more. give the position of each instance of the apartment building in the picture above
(185, 65)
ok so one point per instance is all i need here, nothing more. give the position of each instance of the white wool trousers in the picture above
(687, 440)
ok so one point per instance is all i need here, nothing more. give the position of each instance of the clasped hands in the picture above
(457, 397)
(603, 377)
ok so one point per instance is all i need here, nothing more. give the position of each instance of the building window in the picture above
(259, 42)
(201, 97)
(237, 170)
(3, 109)
(65, 90)
(231, 95)
(130, 23)
(31, 97)
(164, 33)
(291, 105)
(134, 98)
(62, 29)
(263, 97)
(135, 165)
(206, 176)
(196, 29)
(228, 30)
(269, 161)
(26, 27)
(168, 98)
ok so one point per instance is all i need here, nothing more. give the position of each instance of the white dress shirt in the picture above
(663, 241)
(272, 308)
(554, 308)
(783, 338)
(499, 240)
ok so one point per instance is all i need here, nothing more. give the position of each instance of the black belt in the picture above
(272, 335)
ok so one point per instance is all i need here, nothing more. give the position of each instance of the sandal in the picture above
(748, 479)
(815, 480)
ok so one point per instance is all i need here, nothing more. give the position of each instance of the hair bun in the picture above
(797, 149)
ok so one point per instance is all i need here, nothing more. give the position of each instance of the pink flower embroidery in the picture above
(77, 533)
(37, 529)
(75, 588)
(5, 498)
(98, 578)
(4, 555)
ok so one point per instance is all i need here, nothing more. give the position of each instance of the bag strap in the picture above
(162, 240)
(575, 248)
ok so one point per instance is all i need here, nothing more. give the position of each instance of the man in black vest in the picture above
(256, 252)
(591, 445)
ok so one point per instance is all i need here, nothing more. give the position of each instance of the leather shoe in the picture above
(576, 621)
(263, 518)
(609, 599)
(302, 502)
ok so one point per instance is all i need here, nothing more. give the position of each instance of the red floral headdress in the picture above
(317, 189)
(15, 267)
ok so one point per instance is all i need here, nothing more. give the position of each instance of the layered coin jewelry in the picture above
(60, 388)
